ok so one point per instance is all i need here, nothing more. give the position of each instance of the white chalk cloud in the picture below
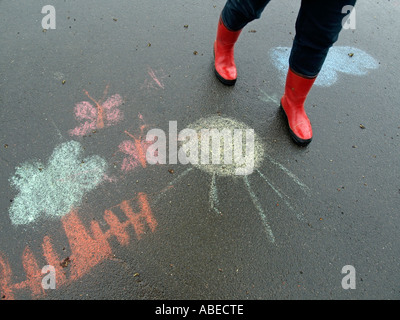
(346, 60)
(53, 189)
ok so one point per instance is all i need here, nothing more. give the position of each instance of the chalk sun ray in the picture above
(295, 179)
(213, 195)
(171, 183)
(281, 195)
(260, 210)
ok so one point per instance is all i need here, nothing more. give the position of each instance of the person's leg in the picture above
(317, 28)
(235, 15)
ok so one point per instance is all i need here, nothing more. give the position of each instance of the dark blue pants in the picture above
(317, 28)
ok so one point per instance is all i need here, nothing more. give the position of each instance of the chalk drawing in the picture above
(102, 114)
(88, 246)
(281, 195)
(171, 184)
(214, 200)
(51, 190)
(295, 179)
(260, 210)
(228, 170)
(267, 98)
(155, 81)
(348, 60)
(57, 129)
(221, 168)
(135, 149)
(259, 154)
(58, 75)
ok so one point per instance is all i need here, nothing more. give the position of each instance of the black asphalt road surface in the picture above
(284, 232)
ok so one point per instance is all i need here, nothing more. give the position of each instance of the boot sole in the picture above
(295, 138)
(223, 80)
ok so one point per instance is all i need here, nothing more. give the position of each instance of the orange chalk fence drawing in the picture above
(5, 279)
(88, 247)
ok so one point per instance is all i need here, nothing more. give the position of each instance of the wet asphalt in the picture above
(331, 204)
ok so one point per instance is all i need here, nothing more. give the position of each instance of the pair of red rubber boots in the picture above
(296, 89)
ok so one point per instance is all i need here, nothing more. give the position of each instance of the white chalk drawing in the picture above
(223, 170)
(348, 60)
(260, 210)
(267, 98)
(53, 189)
(223, 124)
(214, 200)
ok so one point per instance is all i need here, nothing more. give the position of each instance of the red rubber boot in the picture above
(292, 103)
(224, 62)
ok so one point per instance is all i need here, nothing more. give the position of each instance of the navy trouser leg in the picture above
(317, 28)
(237, 13)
